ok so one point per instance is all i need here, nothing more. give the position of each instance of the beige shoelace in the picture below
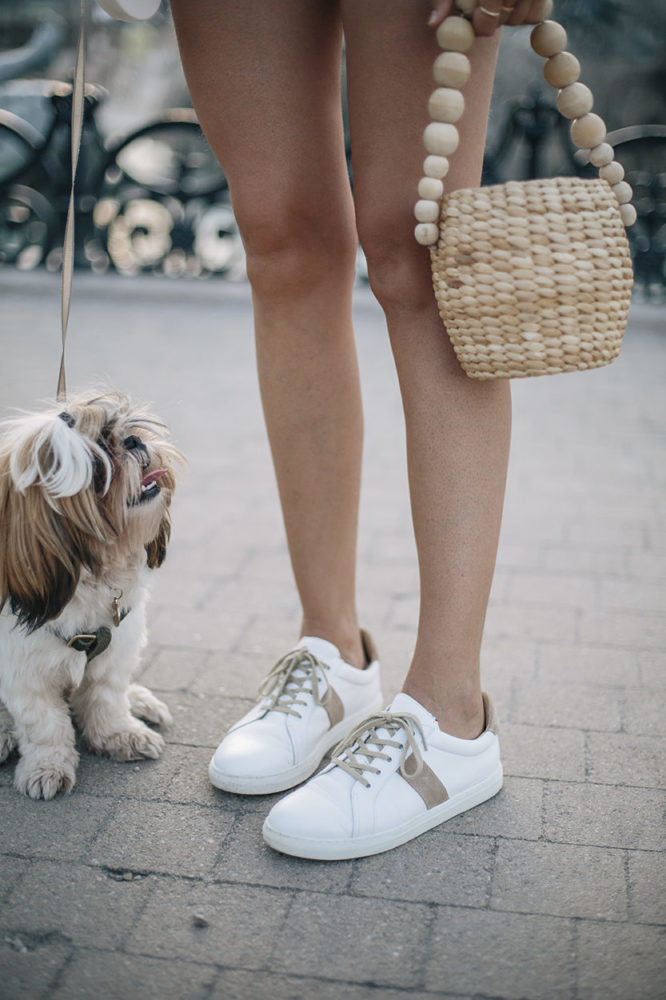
(360, 741)
(287, 681)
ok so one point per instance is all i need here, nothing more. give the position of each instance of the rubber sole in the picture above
(341, 849)
(283, 780)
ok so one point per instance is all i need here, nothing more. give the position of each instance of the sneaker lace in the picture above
(367, 742)
(288, 680)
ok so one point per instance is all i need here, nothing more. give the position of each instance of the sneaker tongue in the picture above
(403, 704)
(321, 648)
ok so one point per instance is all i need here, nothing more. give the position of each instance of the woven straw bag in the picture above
(530, 277)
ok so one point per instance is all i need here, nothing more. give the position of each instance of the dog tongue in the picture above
(151, 477)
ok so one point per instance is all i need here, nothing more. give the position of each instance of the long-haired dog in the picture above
(84, 515)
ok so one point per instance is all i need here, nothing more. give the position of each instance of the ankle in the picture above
(346, 638)
(460, 716)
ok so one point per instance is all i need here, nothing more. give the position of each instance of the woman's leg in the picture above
(457, 428)
(264, 80)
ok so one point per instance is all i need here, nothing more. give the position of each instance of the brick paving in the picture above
(146, 882)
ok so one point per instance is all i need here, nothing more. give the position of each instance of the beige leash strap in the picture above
(78, 97)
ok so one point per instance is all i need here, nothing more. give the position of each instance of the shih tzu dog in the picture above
(84, 514)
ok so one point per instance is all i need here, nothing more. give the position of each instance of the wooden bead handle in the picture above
(451, 71)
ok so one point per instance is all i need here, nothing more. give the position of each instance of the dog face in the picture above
(87, 488)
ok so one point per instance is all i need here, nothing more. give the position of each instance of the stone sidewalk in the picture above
(146, 882)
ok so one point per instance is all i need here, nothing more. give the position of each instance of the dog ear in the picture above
(156, 549)
(50, 524)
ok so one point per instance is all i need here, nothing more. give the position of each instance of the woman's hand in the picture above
(489, 15)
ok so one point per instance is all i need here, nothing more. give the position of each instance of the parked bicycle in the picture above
(154, 200)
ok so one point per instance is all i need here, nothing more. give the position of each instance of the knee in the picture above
(398, 268)
(292, 248)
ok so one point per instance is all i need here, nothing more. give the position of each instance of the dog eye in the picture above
(134, 443)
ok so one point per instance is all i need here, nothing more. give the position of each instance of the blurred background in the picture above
(151, 198)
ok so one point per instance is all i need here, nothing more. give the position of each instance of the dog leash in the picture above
(78, 97)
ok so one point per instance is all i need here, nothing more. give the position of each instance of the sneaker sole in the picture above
(283, 780)
(360, 847)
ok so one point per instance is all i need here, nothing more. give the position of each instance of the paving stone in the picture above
(617, 961)
(651, 664)
(541, 752)
(236, 984)
(143, 779)
(507, 955)
(643, 712)
(30, 965)
(598, 529)
(162, 837)
(524, 622)
(199, 630)
(600, 559)
(554, 590)
(575, 663)
(88, 907)
(515, 812)
(614, 628)
(632, 595)
(129, 977)
(647, 886)
(560, 880)
(373, 941)
(224, 924)
(174, 669)
(61, 828)
(200, 720)
(620, 759)
(11, 870)
(246, 858)
(508, 658)
(572, 706)
(438, 867)
(600, 814)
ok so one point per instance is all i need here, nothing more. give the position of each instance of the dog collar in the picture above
(94, 643)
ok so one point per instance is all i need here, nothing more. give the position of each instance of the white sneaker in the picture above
(393, 777)
(309, 700)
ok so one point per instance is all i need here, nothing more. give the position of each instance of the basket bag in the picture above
(530, 277)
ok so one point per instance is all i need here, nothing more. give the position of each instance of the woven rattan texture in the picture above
(533, 277)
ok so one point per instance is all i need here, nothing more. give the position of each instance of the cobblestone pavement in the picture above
(146, 882)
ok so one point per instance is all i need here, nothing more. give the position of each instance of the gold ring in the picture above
(489, 13)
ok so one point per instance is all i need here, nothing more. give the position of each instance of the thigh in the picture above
(265, 82)
(390, 52)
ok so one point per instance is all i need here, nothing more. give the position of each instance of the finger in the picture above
(487, 17)
(520, 11)
(506, 10)
(539, 10)
(440, 10)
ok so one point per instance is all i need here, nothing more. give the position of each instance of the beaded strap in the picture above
(451, 71)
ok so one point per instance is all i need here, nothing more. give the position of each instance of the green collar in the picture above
(94, 643)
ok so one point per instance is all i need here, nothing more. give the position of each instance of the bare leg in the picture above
(269, 104)
(457, 429)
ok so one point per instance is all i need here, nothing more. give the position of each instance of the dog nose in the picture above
(134, 443)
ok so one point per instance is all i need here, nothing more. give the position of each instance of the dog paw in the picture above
(44, 778)
(133, 744)
(8, 744)
(144, 705)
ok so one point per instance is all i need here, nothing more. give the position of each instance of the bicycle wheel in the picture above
(641, 149)
(20, 144)
(169, 156)
(27, 225)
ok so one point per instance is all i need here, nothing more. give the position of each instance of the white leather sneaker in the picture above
(393, 777)
(308, 701)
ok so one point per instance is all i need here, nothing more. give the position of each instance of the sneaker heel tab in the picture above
(492, 722)
(369, 648)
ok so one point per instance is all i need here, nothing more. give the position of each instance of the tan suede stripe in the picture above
(426, 783)
(332, 702)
